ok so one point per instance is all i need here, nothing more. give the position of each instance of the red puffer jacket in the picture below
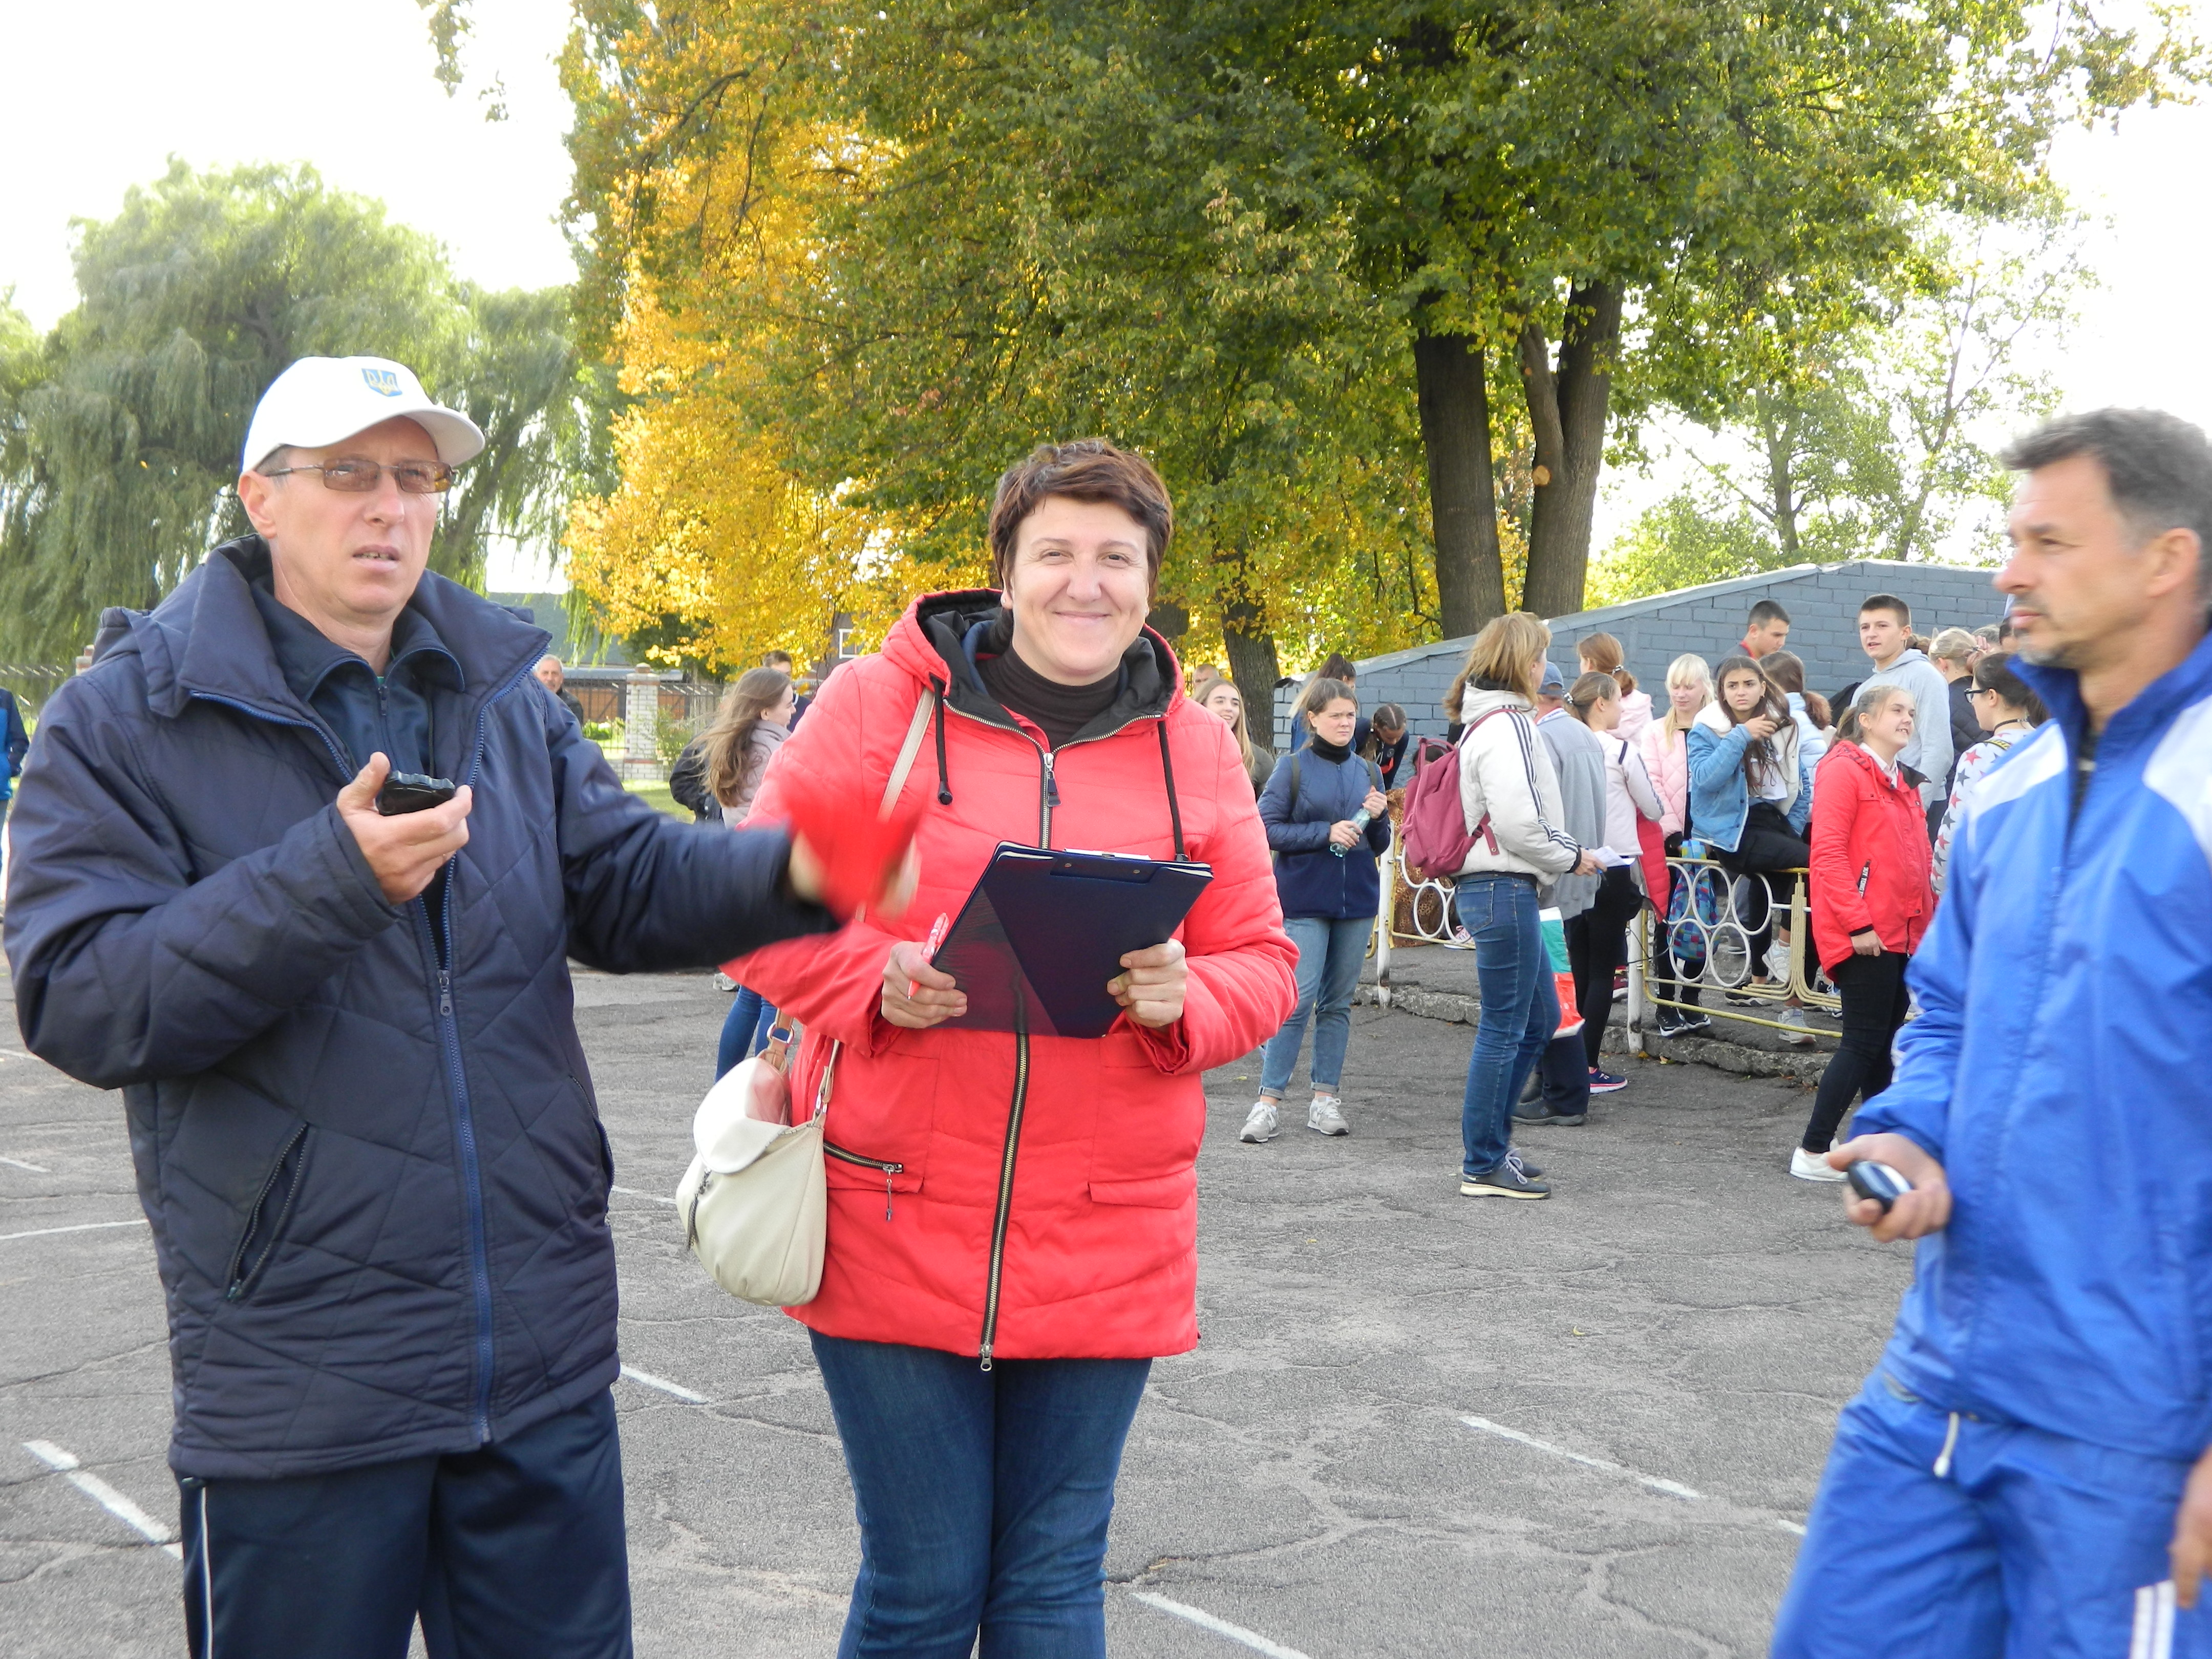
(1871, 858)
(1044, 1198)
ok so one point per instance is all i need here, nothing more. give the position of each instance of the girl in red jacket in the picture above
(1870, 902)
(1012, 1231)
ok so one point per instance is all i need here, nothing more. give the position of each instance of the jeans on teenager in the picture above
(1520, 1010)
(982, 1497)
(1874, 1006)
(1597, 945)
(745, 1030)
(513, 1551)
(1329, 955)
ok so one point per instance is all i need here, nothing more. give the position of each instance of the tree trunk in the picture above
(1252, 660)
(1567, 411)
(1778, 431)
(1455, 404)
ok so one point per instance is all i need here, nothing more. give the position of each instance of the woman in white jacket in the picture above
(1511, 800)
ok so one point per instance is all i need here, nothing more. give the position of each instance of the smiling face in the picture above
(1225, 701)
(1335, 721)
(349, 564)
(1889, 728)
(1743, 692)
(1079, 588)
(1882, 635)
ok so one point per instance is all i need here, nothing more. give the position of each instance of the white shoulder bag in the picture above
(753, 1202)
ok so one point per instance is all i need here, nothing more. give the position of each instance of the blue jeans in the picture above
(982, 1497)
(745, 1030)
(514, 1550)
(2026, 1545)
(1520, 1010)
(1329, 955)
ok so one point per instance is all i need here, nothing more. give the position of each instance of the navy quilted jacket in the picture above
(364, 1134)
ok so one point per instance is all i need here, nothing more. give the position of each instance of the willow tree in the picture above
(118, 471)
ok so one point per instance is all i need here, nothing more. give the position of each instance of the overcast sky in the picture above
(349, 87)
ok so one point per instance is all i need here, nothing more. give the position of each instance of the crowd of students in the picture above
(1584, 793)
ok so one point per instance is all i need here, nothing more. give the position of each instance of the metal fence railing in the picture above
(1709, 945)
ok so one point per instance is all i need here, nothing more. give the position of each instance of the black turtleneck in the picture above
(1061, 710)
(1331, 752)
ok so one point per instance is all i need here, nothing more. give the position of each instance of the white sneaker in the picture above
(1812, 1166)
(1778, 961)
(723, 981)
(1259, 1125)
(1802, 1035)
(1325, 1116)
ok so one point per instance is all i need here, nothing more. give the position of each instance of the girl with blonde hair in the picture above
(1509, 794)
(1666, 763)
(1217, 693)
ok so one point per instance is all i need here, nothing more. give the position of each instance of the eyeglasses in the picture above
(359, 477)
(1980, 692)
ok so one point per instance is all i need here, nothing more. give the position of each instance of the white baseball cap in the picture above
(319, 401)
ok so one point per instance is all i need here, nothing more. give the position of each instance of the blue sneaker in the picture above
(1604, 1082)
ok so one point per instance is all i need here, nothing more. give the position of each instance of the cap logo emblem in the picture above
(382, 381)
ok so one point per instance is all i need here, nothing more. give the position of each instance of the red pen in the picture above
(929, 948)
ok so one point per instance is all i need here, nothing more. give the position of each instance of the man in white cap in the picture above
(297, 865)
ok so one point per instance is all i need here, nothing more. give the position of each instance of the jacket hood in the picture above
(942, 636)
(1479, 701)
(206, 639)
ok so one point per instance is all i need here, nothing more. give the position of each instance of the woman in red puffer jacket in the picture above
(1012, 1232)
(1871, 902)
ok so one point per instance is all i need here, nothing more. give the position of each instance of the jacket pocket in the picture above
(1167, 1192)
(266, 1220)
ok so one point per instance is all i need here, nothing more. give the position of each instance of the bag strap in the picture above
(915, 730)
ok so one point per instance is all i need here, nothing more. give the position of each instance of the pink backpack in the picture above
(1436, 836)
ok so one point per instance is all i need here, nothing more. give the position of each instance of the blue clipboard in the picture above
(1045, 928)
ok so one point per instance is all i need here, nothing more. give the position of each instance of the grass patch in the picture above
(658, 795)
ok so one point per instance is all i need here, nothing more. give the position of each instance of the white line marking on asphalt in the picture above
(662, 1383)
(1673, 1488)
(1789, 1526)
(632, 1192)
(106, 1496)
(81, 1227)
(1205, 1620)
(17, 1163)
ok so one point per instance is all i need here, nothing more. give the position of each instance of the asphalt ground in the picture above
(1418, 1423)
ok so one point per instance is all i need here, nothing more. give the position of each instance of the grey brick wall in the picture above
(1822, 600)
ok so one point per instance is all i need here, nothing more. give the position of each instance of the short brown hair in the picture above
(1088, 470)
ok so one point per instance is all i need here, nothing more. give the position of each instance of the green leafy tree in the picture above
(121, 465)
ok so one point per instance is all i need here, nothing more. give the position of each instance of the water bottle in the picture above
(1360, 820)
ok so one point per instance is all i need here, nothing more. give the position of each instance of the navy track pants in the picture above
(515, 1551)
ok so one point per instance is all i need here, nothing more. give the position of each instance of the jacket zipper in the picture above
(240, 1273)
(1048, 798)
(889, 1170)
(449, 1031)
(1005, 1195)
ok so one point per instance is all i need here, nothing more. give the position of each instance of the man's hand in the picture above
(405, 852)
(2190, 1551)
(1341, 834)
(1923, 1211)
(1153, 988)
(1866, 942)
(934, 997)
(808, 881)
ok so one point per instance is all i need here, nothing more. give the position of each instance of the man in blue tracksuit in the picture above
(363, 1128)
(2027, 1472)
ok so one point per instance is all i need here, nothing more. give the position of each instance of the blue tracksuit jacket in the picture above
(2062, 1072)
